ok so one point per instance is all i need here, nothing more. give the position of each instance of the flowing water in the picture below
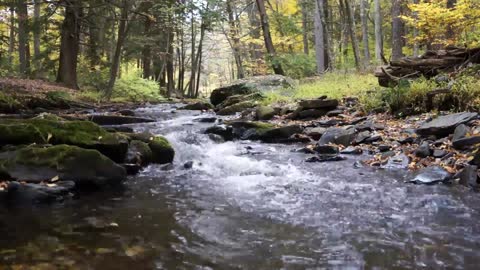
(247, 205)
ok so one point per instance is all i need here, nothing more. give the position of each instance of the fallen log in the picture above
(428, 65)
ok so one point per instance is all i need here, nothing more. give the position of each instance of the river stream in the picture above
(247, 205)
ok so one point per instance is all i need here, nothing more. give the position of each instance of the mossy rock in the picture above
(239, 107)
(139, 153)
(84, 134)
(8, 104)
(198, 106)
(63, 162)
(162, 151)
(263, 84)
(250, 130)
(265, 113)
(232, 100)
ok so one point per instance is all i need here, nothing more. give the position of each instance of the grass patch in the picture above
(333, 85)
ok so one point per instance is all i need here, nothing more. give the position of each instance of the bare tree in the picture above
(378, 31)
(277, 67)
(366, 47)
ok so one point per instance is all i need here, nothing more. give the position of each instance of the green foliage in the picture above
(333, 85)
(134, 88)
(298, 65)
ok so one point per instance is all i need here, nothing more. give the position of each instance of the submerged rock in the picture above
(20, 193)
(400, 161)
(63, 162)
(431, 175)
(445, 125)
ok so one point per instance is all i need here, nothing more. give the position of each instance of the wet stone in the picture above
(423, 150)
(431, 175)
(351, 151)
(325, 158)
(400, 161)
(469, 176)
(326, 149)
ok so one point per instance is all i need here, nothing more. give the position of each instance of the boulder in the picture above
(265, 113)
(309, 114)
(238, 107)
(445, 125)
(324, 104)
(326, 149)
(162, 151)
(112, 120)
(64, 162)
(224, 131)
(198, 106)
(83, 134)
(343, 136)
(139, 153)
(250, 85)
(232, 100)
(469, 176)
(431, 175)
(315, 133)
(466, 142)
(279, 134)
(460, 132)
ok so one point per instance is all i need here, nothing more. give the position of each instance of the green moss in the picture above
(18, 133)
(84, 134)
(35, 163)
(239, 107)
(162, 150)
(8, 104)
(260, 127)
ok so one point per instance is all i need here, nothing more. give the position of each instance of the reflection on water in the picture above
(245, 205)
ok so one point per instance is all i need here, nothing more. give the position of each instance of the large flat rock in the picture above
(445, 125)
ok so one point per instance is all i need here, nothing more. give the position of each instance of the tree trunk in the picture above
(11, 40)
(70, 35)
(22, 14)
(378, 31)
(36, 32)
(397, 30)
(252, 12)
(170, 69)
(366, 47)
(319, 37)
(147, 51)
(234, 37)
(277, 68)
(304, 26)
(121, 36)
(450, 35)
(415, 34)
(353, 36)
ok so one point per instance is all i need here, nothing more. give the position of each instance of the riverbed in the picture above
(247, 205)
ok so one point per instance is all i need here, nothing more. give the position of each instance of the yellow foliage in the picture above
(433, 18)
